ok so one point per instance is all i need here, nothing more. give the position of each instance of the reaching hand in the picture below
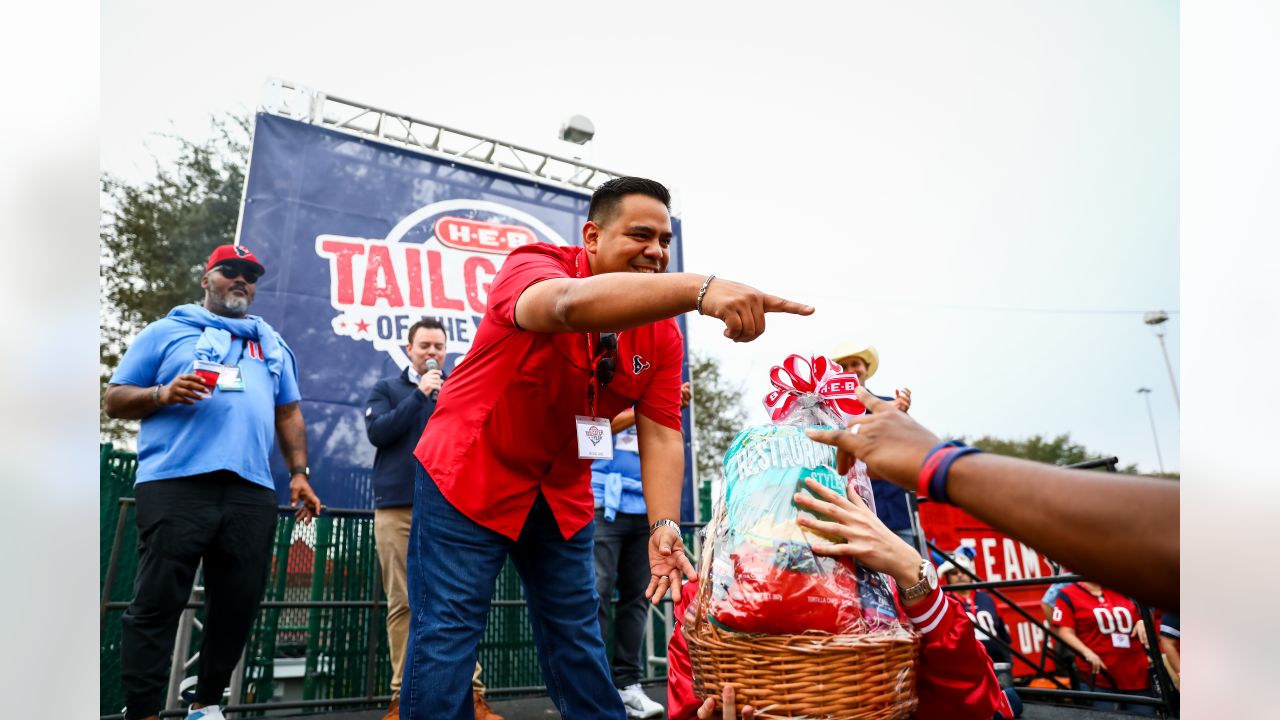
(742, 308)
(186, 389)
(300, 490)
(902, 399)
(728, 711)
(864, 537)
(666, 562)
(686, 394)
(891, 444)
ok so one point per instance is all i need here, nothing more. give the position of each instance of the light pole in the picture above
(1155, 319)
(1146, 393)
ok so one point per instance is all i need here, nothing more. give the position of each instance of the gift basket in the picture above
(796, 633)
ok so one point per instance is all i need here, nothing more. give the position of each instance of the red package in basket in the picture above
(765, 577)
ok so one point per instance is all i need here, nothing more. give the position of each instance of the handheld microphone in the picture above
(433, 365)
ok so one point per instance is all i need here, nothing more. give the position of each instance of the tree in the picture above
(156, 234)
(717, 415)
(1055, 451)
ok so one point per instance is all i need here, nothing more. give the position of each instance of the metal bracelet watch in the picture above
(927, 583)
(664, 522)
(300, 470)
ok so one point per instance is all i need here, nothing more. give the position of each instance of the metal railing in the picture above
(298, 102)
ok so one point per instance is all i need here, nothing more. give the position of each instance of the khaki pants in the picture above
(391, 533)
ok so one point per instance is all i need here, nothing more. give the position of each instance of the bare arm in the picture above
(1079, 518)
(620, 301)
(1070, 638)
(622, 421)
(131, 402)
(1170, 650)
(291, 433)
(661, 467)
(662, 474)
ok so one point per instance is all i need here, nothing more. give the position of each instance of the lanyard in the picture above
(592, 391)
(591, 380)
(244, 342)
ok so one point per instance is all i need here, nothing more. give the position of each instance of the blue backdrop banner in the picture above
(360, 240)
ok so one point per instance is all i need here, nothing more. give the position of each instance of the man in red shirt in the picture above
(571, 337)
(1100, 624)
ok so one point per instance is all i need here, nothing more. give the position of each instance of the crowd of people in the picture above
(503, 460)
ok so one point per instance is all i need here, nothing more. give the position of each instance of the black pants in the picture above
(622, 561)
(227, 522)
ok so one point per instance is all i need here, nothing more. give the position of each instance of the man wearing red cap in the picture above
(213, 387)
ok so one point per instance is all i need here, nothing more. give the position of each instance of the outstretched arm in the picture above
(619, 301)
(1118, 530)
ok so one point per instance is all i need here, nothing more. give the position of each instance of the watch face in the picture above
(930, 575)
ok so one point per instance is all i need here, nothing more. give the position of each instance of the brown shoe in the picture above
(483, 711)
(393, 712)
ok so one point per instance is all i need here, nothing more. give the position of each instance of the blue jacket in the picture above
(394, 419)
(616, 483)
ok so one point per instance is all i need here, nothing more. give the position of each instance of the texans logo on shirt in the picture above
(638, 365)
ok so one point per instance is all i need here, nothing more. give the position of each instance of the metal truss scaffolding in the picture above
(295, 101)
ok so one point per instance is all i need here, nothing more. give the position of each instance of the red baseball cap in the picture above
(223, 253)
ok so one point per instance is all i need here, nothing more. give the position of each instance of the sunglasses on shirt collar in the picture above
(246, 271)
(606, 358)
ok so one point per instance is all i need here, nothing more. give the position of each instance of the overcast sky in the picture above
(979, 190)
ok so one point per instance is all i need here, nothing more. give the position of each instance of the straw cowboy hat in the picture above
(852, 349)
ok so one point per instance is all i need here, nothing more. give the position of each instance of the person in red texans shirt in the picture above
(571, 337)
(1102, 625)
(954, 675)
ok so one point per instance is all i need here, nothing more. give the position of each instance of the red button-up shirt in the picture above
(504, 427)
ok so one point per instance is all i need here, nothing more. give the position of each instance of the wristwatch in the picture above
(927, 583)
(301, 469)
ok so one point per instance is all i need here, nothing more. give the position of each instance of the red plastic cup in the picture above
(208, 373)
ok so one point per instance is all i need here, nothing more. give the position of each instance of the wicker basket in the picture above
(833, 677)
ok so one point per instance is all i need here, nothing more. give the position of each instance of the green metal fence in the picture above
(324, 564)
(116, 472)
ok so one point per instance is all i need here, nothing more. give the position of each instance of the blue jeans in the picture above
(452, 566)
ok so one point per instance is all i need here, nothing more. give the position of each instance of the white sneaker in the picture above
(638, 704)
(208, 712)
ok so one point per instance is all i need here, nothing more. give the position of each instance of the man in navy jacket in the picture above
(398, 410)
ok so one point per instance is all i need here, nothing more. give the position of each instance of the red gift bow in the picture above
(823, 377)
